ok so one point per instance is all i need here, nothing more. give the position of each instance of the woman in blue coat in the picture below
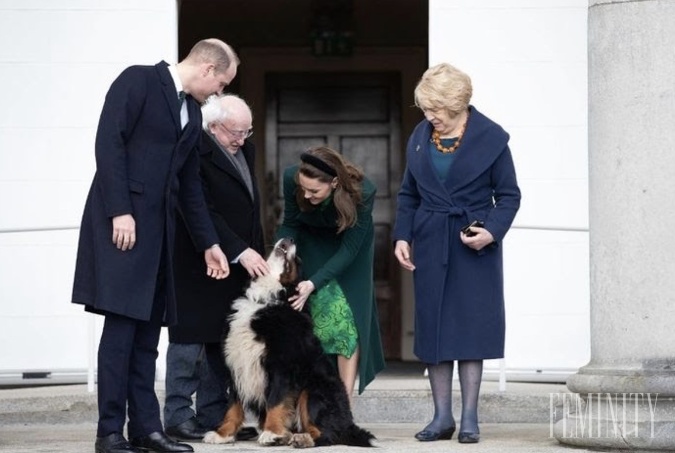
(459, 171)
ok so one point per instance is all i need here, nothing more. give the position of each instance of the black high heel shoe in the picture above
(429, 436)
(468, 438)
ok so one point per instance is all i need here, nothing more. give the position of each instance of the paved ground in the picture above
(392, 438)
(61, 418)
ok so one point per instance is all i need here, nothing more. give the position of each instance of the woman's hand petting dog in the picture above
(304, 289)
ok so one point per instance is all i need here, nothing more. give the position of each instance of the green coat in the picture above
(346, 257)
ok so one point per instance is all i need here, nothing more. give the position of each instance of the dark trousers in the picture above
(216, 360)
(187, 374)
(127, 356)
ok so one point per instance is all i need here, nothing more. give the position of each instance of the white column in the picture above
(628, 387)
(57, 60)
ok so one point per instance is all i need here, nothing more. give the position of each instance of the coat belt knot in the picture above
(451, 214)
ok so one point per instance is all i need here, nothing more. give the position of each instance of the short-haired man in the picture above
(146, 166)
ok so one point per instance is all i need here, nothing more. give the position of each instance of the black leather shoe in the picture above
(468, 438)
(247, 433)
(114, 443)
(189, 430)
(159, 442)
(430, 436)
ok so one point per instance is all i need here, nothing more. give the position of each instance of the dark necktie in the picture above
(181, 98)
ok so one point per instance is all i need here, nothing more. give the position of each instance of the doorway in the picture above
(359, 116)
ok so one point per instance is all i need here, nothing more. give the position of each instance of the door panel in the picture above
(357, 115)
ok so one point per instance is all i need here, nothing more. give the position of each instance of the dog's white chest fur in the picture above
(243, 352)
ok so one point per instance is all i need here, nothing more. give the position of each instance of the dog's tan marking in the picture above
(225, 434)
(305, 422)
(277, 424)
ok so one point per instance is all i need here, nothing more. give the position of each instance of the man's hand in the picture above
(216, 263)
(255, 265)
(124, 232)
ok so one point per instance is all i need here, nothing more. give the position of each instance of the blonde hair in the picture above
(347, 194)
(444, 87)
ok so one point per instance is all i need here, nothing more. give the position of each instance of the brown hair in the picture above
(347, 194)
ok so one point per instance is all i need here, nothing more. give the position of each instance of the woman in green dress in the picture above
(328, 205)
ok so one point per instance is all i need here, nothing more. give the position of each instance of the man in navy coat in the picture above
(147, 165)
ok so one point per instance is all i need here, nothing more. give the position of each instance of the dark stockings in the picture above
(470, 374)
(440, 378)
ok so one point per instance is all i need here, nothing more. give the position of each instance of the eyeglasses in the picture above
(237, 134)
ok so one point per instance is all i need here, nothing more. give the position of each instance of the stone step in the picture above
(388, 399)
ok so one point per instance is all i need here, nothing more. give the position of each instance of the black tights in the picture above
(440, 378)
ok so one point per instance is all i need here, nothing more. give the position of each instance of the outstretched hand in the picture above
(216, 263)
(255, 265)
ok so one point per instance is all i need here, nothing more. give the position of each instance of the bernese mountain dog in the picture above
(279, 370)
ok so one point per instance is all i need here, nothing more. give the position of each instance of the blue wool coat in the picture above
(146, 165)
(459, 296)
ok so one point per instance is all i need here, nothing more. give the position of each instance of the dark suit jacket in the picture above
(204, 302)
(145, 166)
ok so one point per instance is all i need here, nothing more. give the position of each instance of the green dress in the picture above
(346, 258)
(334, 323)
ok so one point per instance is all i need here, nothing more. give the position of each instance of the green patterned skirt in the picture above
(333, 320)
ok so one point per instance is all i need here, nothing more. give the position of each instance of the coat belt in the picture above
(451, 213)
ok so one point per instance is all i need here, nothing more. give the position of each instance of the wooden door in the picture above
(358, 115)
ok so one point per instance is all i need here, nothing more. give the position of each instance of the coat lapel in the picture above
(169, 89)
(221, 161)
(481, 145)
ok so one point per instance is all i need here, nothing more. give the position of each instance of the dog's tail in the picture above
(356, 436)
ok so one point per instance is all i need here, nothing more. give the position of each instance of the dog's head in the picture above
(284, 275)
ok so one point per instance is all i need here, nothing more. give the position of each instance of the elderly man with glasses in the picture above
(194, 360)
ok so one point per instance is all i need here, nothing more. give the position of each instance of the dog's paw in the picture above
(269, 438)
(301, 440)
(213, 437)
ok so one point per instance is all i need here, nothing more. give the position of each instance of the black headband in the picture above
(318, 163)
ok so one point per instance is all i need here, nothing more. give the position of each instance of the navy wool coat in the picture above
(459, 296)
(146, 165)
(203, 302)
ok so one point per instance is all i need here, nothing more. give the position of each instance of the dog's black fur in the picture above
(303, 401)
